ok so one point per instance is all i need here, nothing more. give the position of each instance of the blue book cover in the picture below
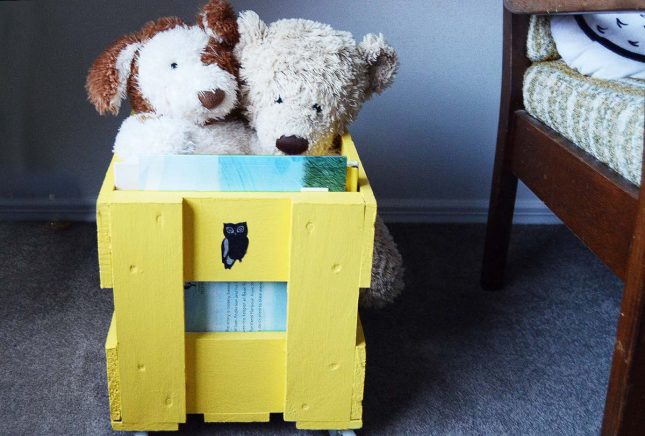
(232, 173)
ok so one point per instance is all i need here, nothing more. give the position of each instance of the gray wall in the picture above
(428, 142)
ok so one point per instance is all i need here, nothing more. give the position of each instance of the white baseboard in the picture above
(47, 210)
(392, 210)
(459, 211)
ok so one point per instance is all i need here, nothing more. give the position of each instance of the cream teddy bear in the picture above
(303, 82)
(182, 84)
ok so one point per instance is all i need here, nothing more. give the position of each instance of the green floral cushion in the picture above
(604, 118)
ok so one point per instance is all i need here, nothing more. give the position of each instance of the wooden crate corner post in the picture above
(147, 263)
(322, 312)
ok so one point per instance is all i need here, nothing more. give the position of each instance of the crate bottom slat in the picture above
(234, 377)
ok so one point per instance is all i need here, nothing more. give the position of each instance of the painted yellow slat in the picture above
(359, 374)
(112, 363)
(237, 417)
(144, 426)
(103, 228)
(348, 148)
(149, 307)
(162, 196)
(367, 244)
(268, 223)
(352, 180)
(231, 374)
(329, 425)
(322, 310)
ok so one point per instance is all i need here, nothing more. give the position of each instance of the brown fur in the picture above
(151, 28)
(103, 78)
(215, 53)
(221, 19)
(137, 102)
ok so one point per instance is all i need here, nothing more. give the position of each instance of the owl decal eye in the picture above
(234, 244)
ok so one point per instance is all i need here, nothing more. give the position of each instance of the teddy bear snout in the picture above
(212, 99)
(292, 144)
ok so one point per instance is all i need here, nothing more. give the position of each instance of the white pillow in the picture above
(605, 46)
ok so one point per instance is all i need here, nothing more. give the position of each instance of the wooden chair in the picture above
(602, 208)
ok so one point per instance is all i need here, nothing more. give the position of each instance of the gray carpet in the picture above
(447, 358)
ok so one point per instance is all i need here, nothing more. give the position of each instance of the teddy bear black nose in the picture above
(212, 99)
(292, 144)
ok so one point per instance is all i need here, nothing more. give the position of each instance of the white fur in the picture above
(305, 63)
(141, 135)
(178, 124)
(176, 91)
(123, 67)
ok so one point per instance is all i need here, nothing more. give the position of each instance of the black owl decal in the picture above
(235, 243)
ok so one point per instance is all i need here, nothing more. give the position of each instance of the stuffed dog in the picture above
(182, 83)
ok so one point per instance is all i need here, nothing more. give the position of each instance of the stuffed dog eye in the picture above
(317, 108)
(173, 65)
(279, 100)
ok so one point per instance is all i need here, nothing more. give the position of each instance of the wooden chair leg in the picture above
(502, 199)
(498, 230)
(625, 406)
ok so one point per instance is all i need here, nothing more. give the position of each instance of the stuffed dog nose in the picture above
(212, 99)
(292, 144)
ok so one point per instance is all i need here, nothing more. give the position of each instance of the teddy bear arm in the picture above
(230, 137)
(387, 270)
(153, 135)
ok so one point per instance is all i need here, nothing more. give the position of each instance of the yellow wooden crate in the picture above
(321, 244)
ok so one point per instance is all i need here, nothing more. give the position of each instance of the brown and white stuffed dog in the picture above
(182, 82)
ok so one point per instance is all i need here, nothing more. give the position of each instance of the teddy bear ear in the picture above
(217, 19)
(382, 61)
(108, 77)
(252, 29)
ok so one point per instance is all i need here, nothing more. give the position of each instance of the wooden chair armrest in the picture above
(571, 6)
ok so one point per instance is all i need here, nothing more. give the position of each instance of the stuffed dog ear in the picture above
(217, 19)
(382, 60)
(107, 79)
(252, 30)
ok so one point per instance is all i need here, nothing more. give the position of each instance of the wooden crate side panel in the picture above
(359, 374)
(367, 245)
(112, 363)
(322, 310)
(103, 229)
(239, 375)
(149, 307)
(104, 244)
(348, 148)
(267, 221)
